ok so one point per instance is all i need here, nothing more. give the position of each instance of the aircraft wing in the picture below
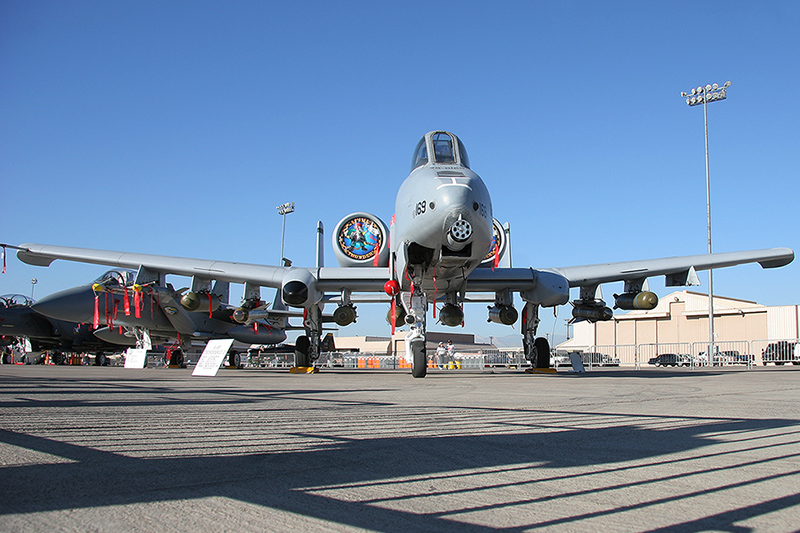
(363, 279)
(675, 268)
(264, 275)
(679, 270)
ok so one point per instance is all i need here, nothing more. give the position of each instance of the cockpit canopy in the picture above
(117, 277)
(15, 300)
(446, 148)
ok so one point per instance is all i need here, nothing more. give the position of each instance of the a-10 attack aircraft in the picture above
(442, 231)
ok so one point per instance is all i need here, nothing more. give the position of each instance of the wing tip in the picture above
(783, 256)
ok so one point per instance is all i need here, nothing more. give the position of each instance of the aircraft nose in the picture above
(72, 305)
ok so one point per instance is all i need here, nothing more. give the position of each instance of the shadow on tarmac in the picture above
(291, 481)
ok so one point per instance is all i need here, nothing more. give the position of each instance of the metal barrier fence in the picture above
(693, 355)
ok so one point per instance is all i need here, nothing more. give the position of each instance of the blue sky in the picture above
(177, 127)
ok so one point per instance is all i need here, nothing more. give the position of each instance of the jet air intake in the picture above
(299, 288)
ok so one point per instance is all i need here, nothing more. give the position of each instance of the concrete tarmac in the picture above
(157, 450)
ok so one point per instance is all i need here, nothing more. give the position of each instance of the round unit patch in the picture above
(360, 238)
(498, 241)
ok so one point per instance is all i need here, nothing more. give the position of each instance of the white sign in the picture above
(135, 358)
(212, 357)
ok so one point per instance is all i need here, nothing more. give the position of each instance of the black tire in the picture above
(176, 359)
(101, 359)
(542, 352)
(8, 359)
(59, 359)
(419, 361)
(301, 348)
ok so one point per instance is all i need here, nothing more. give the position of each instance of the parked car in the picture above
(670, 359)
(781, 352)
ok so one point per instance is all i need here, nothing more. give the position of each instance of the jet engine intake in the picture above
(193, 301)
(451, 315)
(361, 239)
(300, 288)
(636, 300)
(503, 314)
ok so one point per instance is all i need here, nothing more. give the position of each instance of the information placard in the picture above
(135, 358)
(212, 357)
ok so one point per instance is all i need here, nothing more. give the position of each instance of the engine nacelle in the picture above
(636, 300)
(359, 238)
(345, 314)
(192, 301)
(451, 315)
(592, 313)
(299, 288)
(503, 314)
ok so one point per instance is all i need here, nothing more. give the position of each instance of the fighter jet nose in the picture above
(72, 305)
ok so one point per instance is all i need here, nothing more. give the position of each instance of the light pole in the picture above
(34, 281)
(283, 210)
(704, 95)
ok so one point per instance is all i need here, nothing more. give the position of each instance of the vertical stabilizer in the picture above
(505, 262)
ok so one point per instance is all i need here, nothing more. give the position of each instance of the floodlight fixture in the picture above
(283, 210)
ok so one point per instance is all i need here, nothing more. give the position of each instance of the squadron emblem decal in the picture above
(497, 241)
(360, 238)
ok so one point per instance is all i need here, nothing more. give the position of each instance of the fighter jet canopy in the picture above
(447, 149)
(119, 277)
(15, 300)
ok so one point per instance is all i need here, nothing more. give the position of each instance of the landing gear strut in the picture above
(537, 349)
(306, 347)
(416, 337)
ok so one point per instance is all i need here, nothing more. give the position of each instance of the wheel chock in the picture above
(541, 371)
(303, 370)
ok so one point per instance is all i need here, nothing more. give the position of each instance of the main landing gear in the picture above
(537, 349)
(307, 347)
